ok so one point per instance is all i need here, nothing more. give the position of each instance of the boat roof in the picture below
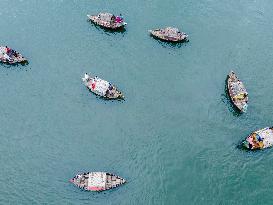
(106, 16)
(96, 180)
(238, 87)
(171, 31)
(265, 133)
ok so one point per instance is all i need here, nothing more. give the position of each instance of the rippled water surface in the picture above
(174, 137)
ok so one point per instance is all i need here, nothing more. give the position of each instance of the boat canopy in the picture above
(96, 181)
(171, 31)
(240, 96)
(260, 139)
(238, 88)
(267, 135)
(99, 85)
(106, 17)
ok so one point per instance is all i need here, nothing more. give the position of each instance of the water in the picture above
(174, 137)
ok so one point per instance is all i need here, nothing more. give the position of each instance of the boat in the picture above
(10, 56)
(108, 20)
(97, 181)
(260, 139)
(237, 92)
(101, 87)
(169, 34)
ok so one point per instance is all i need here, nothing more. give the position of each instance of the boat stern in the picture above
(92, 17)
(121, 96)
(246, 145)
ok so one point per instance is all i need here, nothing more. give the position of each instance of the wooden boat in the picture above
(97, 181)
(10, 56)
(260, 139)
(107, 20)
(237, 92)
(169, 34)
(101, 87)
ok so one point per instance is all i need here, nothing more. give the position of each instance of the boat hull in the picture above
(12, 57)
(237, 92)
(260, 139)
(102, 88)
(156, 34)
(104, 24)
(97, 181)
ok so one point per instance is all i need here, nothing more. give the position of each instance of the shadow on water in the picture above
(120, 100)
(227, 100)
(243, 149)
(168, 44)
(15, 66)
(108, 31)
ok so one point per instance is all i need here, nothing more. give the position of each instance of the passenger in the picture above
(107, 92)
(118, 20)
(15, 54)
(86, 76)
(93, 85)
(7, 57)
(259, 138)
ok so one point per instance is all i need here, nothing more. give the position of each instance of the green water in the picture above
(174, 138)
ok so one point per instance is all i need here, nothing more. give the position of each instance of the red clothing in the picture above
(93, 85)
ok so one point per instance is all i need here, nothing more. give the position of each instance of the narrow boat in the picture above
(108, 20)
(10, 56)
(101, 87)
(237, 92)
(260, 139)
(97, 181)
(169, 34)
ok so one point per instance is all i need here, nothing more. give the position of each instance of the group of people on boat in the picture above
(119, 19)
(260, 139)
(238, 91)
(102, 87)
(254, 141)
(169, 34)
(8, 54)
(80, 180)
(107, 18)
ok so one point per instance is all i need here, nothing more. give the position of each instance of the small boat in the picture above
(10, 56)
(237, 92)
(101, 87)
(260, 139)
(97, 181)
(169, 34)
(108, 20)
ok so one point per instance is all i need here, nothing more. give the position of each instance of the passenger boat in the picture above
(10, 56)
(97, 181)
(169, 34)
(260, 139)
(101, 87)
(108, 20)
(237, 92)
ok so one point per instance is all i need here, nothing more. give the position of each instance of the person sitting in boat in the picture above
(86, 76)
(119, 19)
(7, 49)
(15, 54)
(7, 57)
